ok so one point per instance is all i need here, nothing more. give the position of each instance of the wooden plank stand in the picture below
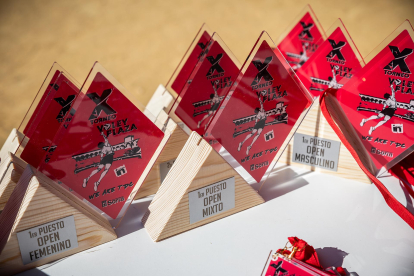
(11, 166)
(39, 203)
(168, 155)
(13, 169)
(197, 166)
(158, 104)
(14, 143)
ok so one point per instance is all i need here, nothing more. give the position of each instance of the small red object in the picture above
(301, 260)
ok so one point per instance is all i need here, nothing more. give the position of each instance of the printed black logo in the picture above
(263, 73)
(399, 59)
(203, 49)
(55, 86)
(120, 171)
(101, 104)
(397, 128)
(65, 106)
(269, 136)
(202, 46)
(215, 66)
(278, 268)
(336, 49)
(306, 30)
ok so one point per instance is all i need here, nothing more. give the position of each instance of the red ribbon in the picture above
(306, 253)
(393, 203)
(404, 170)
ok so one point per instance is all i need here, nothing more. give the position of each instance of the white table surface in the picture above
(348, 223)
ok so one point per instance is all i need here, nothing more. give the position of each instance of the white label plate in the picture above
(211, 200)
(47, 239)
(316, 151)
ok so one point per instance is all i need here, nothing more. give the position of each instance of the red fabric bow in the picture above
(305, 253)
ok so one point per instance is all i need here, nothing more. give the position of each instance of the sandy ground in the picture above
(141, 42)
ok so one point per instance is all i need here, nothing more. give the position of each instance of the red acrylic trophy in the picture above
(208, 74)
(104, 147)
(54, 107)
(246, 118)
(211, 78)
(280, 265)
(164, 96)
(58, 77)
(334, 62)
(261, 112)
(29, 200)
(373, 112)
(161, 102)
(379, 102)
(301, 39)
(51, 104)
(189, 61)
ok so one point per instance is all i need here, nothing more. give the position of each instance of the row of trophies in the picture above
(83, 153)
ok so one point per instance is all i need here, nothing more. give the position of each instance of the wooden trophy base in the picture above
(160, 102)
(15, 144)
(14, 167)
(315, 124)
(198, 165)
(43, 222)
(11, 166)
(164, 162)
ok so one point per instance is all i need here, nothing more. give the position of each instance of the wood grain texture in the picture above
(171, 151)
(37, 200)
(11, 166)
(315, 124)
(15, 167)
(198, 165)
(15, 143)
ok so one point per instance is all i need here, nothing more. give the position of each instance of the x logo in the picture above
(65, 105)
(263, 73)
(101, 104)
(55, 86)
(306, 30)
(399, 59)
(279, 268)
(215, 66)
(336, 49)
(202, 46)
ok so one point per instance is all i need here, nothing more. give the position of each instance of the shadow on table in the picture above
(281, 181)
(331, 256)
(129, 224)
(33, 272)
(132, 219)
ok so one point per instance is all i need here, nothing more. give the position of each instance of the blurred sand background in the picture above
(141, 42)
